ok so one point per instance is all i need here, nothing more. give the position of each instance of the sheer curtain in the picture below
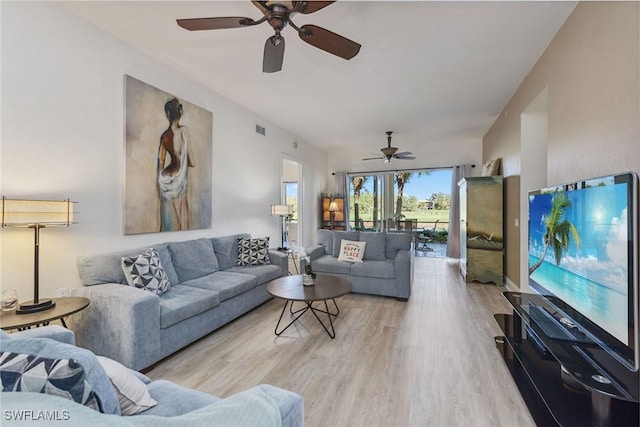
(453, 241)
(340, 183)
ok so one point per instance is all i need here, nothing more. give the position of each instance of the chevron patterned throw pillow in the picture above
(145, 271)
(253, 251)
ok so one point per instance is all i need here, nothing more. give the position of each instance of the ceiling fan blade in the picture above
(374, 158)
(405, 157)
(199, 24)
(404, 153)
(314, 6)
(328, 41)
(273, 54)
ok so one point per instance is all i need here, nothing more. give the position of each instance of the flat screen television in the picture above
(583, 250)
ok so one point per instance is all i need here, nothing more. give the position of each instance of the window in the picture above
(378, 201)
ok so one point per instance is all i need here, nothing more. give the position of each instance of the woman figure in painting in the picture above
(172, 171)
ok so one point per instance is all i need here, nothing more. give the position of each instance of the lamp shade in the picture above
(281, 210)
(25, 213)
(333, 206)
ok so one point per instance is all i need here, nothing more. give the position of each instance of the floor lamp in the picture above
(283, 211)
(36, 214)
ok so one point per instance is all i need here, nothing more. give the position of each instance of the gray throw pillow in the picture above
(375, 248)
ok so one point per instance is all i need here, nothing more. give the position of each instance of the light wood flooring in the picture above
(430, 361)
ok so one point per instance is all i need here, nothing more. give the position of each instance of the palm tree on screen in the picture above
(559, 232)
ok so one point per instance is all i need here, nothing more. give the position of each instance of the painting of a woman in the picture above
(174, 161)
(168, 161)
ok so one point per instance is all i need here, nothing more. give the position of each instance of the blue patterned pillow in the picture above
(60, 377)
(145, 271)
(253, 251)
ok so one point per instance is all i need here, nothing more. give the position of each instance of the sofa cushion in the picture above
(351, 251)
(330, 264)
(145, 271)
(59, 377)
(375, 249)
(253, 251)
(193, 258)
(174, 399)
(94, 373)
(226, 249)
(378, 269)
(325, 238)
(107, 268)
(184, 302)
(133, 395)
(337, 239)
(263, 273)
(395, 242)
(225, 283)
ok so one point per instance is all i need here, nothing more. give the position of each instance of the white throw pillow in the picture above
(133, 394)
(351, 251)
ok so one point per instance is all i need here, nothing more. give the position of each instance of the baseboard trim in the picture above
(510, 285)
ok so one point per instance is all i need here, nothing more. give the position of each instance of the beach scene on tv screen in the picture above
(578, 251)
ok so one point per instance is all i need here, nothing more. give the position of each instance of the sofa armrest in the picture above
(290, 404)
(281, 259)
(54, 332)
(402, 266)
(121, 322)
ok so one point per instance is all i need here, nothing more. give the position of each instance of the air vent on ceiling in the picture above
(260, 129)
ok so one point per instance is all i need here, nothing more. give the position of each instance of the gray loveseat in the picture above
(111, 390)
(386, 267)
(138, 328)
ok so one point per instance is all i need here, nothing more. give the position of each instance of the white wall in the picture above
(62, 136)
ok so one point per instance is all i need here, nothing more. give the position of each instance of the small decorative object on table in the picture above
(9, 299)
(309, 275)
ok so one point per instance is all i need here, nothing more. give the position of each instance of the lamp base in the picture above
(31, 307)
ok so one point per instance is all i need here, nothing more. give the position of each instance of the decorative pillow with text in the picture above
(351, 251)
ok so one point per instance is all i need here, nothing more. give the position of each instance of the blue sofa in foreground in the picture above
(208, 289)
(385, 269)
(66, 385)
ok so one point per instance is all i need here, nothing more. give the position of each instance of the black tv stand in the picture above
(565, 377)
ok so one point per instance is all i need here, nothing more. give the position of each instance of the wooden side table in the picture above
(65, 306)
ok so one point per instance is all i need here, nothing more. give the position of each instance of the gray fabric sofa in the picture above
(138, 328)
(176, 405)
(386, 267)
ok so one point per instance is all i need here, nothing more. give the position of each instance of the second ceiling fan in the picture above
(278, 14)
(390, 152)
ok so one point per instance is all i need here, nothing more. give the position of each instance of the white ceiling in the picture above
(430, 71)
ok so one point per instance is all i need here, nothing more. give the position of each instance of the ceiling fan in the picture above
(390, 152)
(278, 14)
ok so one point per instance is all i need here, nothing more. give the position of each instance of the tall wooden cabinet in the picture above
(325, 214)
(481, 229)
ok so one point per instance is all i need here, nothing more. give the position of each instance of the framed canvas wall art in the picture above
(168, 146)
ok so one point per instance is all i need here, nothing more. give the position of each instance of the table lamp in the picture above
(36, 214)
(333, 208)
(283, 211)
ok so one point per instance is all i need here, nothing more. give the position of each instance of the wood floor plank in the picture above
(430, 361)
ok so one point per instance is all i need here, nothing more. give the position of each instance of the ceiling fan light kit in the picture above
(278, 14)
(390, 152)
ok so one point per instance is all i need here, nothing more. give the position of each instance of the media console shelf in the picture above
(565, 378)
